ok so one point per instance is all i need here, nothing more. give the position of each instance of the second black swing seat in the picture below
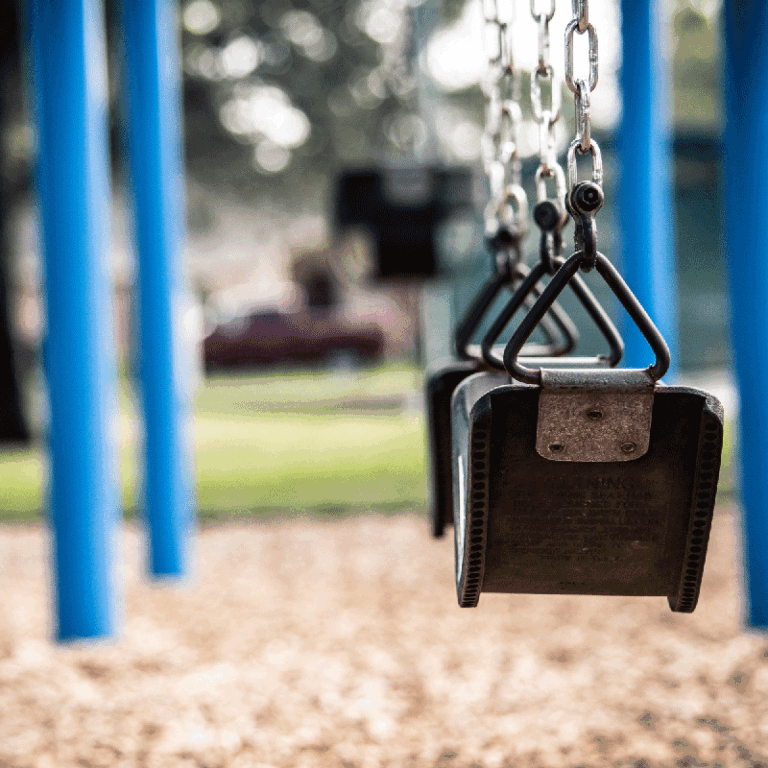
(593, 482)
(561, 337)
(442, 383)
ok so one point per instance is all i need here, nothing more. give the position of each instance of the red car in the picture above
(309, 336)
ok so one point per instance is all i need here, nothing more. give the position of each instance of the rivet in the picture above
(594, 415)
(629, 448)
(556, 447)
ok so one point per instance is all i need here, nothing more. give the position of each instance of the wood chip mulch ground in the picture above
(340, 643)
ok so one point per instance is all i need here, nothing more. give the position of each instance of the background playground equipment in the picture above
(69, 65)
(403, 207)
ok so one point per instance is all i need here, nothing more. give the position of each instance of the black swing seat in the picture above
(445, 375)
(442, 380)
(440, 384)
(587, 510)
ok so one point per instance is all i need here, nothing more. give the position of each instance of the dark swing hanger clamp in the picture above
(549, 217)
(584, 201)
(512, 273)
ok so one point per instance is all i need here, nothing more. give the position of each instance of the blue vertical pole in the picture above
(646, 199)
(154, 135)
(745, 185)
(70, 97)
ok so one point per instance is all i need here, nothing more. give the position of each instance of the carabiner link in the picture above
(583, 202)
(550, 218)
(509, 214)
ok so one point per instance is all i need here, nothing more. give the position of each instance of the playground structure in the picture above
(69, 70)
(68, 67)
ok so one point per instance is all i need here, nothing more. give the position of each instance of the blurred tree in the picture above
(697, 67)
(278, 92)
(265, 88)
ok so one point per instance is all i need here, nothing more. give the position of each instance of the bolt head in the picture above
(587, 197)
(546, 215)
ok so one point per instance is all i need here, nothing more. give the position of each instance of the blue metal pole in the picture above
(154, 134)
(745, 183)
(646, 199)
(69, 72)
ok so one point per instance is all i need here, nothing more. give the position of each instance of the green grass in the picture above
(284, 444)
(305, 442)
(308, 461)
(277, 445)
(21, 478)
(307, 391)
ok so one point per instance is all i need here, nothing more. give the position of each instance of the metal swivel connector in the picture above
(585, 200)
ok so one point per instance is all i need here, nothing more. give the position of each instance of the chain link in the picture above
(546, 117)
(597, 164)
(581, 14)
(508, 207)
(570, 31)
(538, 14)
(583, 124)
(581, 87)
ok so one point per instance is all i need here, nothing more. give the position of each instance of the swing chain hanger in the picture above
(507, 212)
(549, 214)
(581, 88)
(546, 118)
(584, 199)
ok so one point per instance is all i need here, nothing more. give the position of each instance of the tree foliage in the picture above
(277, 92)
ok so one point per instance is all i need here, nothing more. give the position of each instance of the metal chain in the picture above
(581, 88)
(507, 211)
(546, 118)
(584, 199)
(581, 12)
